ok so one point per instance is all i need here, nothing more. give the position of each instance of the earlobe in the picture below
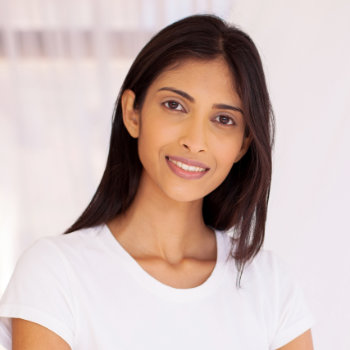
(130, 114)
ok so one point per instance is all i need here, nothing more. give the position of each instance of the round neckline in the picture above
(157, 287)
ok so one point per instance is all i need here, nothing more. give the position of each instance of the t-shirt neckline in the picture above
(155, 286)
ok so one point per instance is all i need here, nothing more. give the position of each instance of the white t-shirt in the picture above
(87, 288)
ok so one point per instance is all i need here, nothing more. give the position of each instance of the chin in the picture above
(184, 195)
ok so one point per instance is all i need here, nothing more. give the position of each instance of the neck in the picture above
(156, 225)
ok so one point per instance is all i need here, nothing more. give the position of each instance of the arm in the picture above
(303, 342)
(28, 335)
(40, 293)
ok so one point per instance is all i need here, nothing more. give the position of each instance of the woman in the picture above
(168, 253)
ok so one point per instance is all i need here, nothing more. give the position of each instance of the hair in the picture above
(240, 202)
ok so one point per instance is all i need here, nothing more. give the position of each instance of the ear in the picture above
(131, 116)
(245, 146)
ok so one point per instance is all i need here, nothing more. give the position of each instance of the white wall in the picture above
(306, 52)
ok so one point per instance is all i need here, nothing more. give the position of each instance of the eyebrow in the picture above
(191, 99)
(179, 92)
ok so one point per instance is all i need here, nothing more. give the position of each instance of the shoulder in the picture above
(269, 267)
(59, 246)
(264, 266)
(282, 295)
(50, 258)
(269, 278)
(81, 238)
(268, 259)
(42, 288)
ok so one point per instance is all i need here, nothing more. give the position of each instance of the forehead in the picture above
(200, 77)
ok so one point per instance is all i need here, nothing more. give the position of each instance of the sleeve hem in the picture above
(292, 332)
(36, 316)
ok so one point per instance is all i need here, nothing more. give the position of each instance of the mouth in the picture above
(186, 168)
(187, 164)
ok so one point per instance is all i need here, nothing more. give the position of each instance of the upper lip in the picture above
(189, 162)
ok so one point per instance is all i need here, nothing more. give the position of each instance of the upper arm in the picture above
(303, 342)
(28, 335)
(40, 291)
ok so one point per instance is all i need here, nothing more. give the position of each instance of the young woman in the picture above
(168, 253)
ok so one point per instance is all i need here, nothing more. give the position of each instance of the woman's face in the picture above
(190, 129)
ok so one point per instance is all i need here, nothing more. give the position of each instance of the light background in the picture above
(61, 65)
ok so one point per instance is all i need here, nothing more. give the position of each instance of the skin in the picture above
(163, 230)
(28, 335)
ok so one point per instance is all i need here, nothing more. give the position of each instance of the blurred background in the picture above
(61, 66)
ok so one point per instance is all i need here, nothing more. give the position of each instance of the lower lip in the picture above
(185, 174)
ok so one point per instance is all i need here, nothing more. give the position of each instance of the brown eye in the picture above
(173, 105)
(225, 120)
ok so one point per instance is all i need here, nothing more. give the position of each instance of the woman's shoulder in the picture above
(266, 260)
(281, 292)
(57, 253)
(82, 236)
(66, 242)
(42, 288)
(272, 276)
(270, 266)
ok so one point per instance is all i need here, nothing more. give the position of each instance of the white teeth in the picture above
(186, 167)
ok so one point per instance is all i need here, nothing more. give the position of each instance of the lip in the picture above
(188, 162)
(189, 175)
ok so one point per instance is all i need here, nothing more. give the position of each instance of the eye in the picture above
(173, 105)
(225, 120)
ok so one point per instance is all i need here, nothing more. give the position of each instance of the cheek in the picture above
(152, 139)
(227, 151)
(155, 132)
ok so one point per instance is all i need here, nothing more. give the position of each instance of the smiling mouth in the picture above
(187, 165)
(186, 171)
(190, 168)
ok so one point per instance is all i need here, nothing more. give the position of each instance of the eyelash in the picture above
(166, 104)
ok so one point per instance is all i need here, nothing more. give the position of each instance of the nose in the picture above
(194, 136)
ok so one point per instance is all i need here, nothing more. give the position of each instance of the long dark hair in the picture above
(240, 202)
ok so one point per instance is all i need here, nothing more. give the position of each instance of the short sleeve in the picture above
(293, 316)
(39, 291)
